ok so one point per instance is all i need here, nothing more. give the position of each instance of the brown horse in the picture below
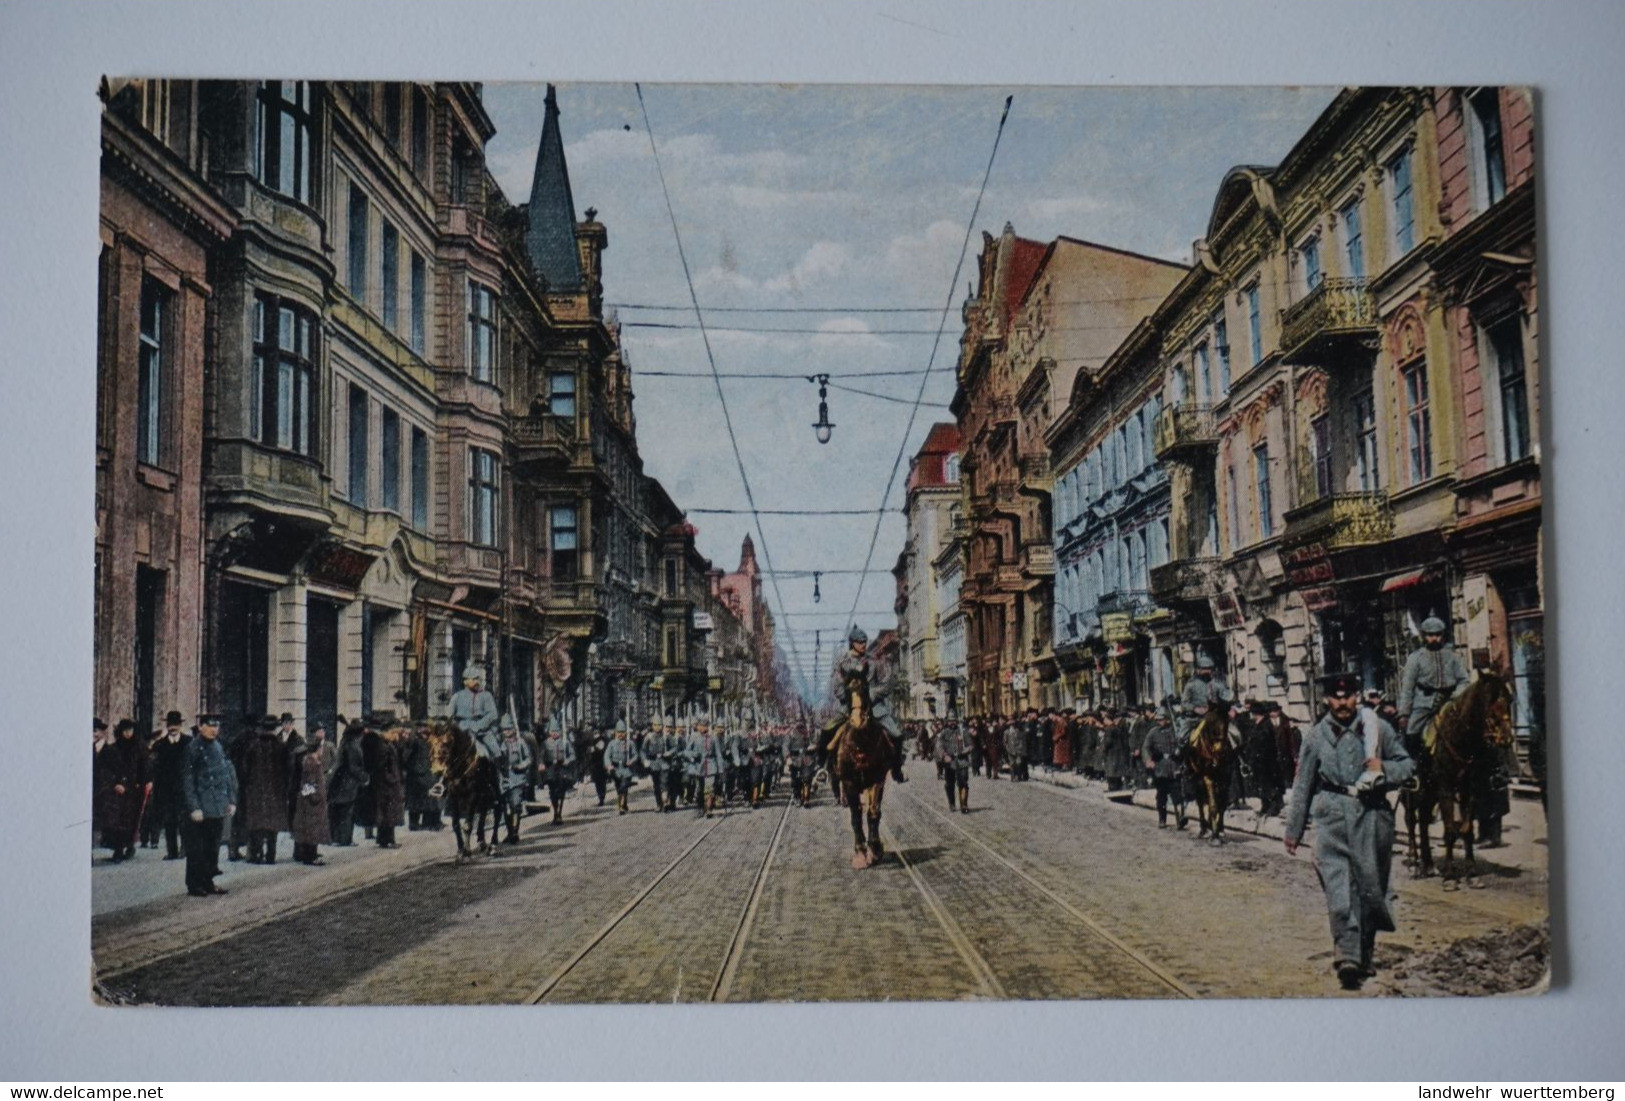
(1469, 733)
(862, 759)
(470, 785)
(1209, 755)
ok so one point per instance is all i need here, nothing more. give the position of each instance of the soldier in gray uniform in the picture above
(657, 760)
(619, 756)
(953, 762)
(707, 764)
(858, 666)
(474, 711)
(1347, 766)
(558, 758)
(1014, 740)
(1203, 690)
(1433, 674)
(1160, 752)
(801, 751)
(513, 772)
(736, 747)
(674, 741)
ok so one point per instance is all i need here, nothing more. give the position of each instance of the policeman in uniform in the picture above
(1433, 674)
(474, 711)
(619, 756)
(1350, 761)
(857, 665)
(513, 773)
(953, 763)
(707, 764)
(558, 765)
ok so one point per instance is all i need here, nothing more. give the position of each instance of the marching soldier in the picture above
(1350, 762)
(801, 752)
(674, 740)
(592, 751)
(619, 757)
(755, 764)
(514, 764)
(655, 761)
(953, 761)
(474, 711)
(1433, 674)
(736, 747)
(558, 765)
(707, 764)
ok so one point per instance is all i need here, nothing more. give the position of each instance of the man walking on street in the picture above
(513, 770)
(619, 756)
(209, 794)
(1160, 752)
(1349, 764)
(953, 762)
(558, 764)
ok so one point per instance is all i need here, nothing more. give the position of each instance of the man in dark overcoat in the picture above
(122, 788)
(308, 796)
(417, 766)
(346, 780)
(1160, 754)
(265, 791)
(166, 810)
(388, 787)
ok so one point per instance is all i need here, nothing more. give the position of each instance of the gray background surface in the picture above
(50, 59)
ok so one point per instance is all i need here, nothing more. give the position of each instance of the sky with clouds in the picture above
(833, 197)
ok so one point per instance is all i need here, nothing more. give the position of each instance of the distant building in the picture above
(932, 507)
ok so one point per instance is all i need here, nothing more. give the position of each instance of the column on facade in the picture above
(288, 650)
(350, 658)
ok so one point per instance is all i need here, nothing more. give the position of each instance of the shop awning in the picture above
(1404, 580)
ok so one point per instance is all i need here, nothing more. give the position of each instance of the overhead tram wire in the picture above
(727, 418)
(1089, 301)
(947, 306)
(785, 511)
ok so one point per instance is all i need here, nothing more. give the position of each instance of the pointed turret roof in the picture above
(550, 236)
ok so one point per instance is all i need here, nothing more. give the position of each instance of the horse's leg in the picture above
(854, 805)
(1447, 830)
(1469, 828)
(457, 828)
(1221, 799)
(877, 848)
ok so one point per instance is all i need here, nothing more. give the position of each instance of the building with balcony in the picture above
(1308, 419)
(932, 507)
(1485, 267)
(413, 447)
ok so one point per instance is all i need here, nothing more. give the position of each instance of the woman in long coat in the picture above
(1115, 752)
(122, 786)
(309, 797)
(417, 764)
(388, 788)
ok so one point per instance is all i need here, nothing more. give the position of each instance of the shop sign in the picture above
(702, 621)
(1117, 626)
(1018, 681)
(1321, 598)
(1226, 608)
(1005, 676)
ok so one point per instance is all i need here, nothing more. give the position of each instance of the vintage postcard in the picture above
(671, 543)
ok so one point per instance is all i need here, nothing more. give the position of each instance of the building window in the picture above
(1162, 531)
(950, 469)
(420, 479)
(420, 130)
(390, 456)
(283, 121)
(1204, 380)
(420, 303)
(1403, 201)
(1255, 329)
(357, 245)
(393, 111)
(672, 653)
(1261, 475)
(1418, 423)
(1506, 345)
(1365, 435)
(561, 395)
(1210, 537)
(1353, 240)
(482, 332)
(1320, 433)
(150, 373)
(1484, 135)
(563, 543)
(282, 401)
(358, 447)
(1221, 343)
(1309, 262)
(1178, 384)
(390, 281)
(483, 490)
(671, 578)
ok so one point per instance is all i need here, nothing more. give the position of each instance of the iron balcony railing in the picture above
(1184, 427)
(1341, 520)
(1335, 311)
(1185, 580)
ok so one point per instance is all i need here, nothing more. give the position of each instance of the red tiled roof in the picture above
(1025, 259)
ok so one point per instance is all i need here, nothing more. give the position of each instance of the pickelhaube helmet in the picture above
(857, 634)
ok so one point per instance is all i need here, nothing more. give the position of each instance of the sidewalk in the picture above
(140, 910)
(1523, 832)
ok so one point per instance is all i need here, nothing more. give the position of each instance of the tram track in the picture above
(1099, 931)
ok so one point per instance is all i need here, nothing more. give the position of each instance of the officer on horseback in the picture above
(1204, 690)
(1433, 674)
(474, 711)
(859, 667)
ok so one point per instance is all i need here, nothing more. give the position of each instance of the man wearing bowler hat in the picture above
(1348, 764)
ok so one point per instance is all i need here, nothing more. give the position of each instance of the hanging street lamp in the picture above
(822, 426)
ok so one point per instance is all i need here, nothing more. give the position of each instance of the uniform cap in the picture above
(1204, 662)
(1433, 625)
(1342, 683)
(474, 673)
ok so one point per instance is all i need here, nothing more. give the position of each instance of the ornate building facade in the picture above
(932, 508)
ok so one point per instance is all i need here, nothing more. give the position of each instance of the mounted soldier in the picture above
(1433, 674)
(858, 668)
(474, 711)
(1204, 690)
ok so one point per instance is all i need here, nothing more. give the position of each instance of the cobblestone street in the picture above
(1042, 891)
